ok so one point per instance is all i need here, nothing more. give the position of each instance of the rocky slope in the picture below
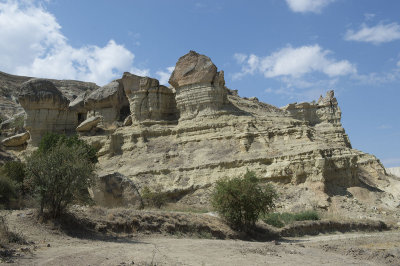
(10, 88)
(184, 138)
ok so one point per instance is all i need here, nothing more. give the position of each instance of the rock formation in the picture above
(109, 102)
(10, 88)
(46, 109)
(16, 140)
(185, 141)
(149, 101)
(200, 89)
(115, 190)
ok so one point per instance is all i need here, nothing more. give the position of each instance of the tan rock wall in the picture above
(200, 100)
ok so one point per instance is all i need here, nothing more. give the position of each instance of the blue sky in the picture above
(280, 51)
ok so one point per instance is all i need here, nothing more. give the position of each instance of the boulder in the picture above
(17, 140)
(109, 101)
(89, 124)
(193, 68)
(115, 190)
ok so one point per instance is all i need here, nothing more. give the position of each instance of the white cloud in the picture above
(164, 75)
(398, 64)
(295, 63)
(380, 33)
(369, 16)
(304, 6)
(32, 44)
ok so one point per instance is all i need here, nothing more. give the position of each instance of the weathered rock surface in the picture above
(200, 89)
(17, 140)
(115, 190)
(109, 102)
(46, 109)
(89, 124)
(193, 68)
(10, 88)
(301, 148)
(149, 101)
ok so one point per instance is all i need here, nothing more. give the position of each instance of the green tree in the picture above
(241, 201)
(50, 140)
(60, 176)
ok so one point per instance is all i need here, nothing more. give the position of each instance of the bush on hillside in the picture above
(155, 198)
(51, 140)
(241, 201)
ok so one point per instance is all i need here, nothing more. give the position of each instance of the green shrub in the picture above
(61, 176)
(15, 170)
(153, 198)
(282, 219)
(241, 201)
(51, 140)
(8, 191)
(274, 220)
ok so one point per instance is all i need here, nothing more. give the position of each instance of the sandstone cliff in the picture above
(183, 139)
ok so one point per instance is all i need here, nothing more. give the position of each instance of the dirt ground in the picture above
(50, 246)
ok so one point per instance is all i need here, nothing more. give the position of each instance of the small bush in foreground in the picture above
(241, 201)
(281, 219)
(154, 198)
(60, 176)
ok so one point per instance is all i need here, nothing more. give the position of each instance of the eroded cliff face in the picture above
(149, 101)
(183, 139)
(46, 109)
(200, 89)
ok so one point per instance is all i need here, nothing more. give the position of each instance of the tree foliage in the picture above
(241, 201)
(51, 140)
(12, 187)
(61, 170)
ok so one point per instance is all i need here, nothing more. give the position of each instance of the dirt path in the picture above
(53, 247)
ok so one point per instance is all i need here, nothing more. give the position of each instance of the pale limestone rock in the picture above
(17, 140)
(200, 89)
(46, 109)
(325, 110)
(109, 101)
(89, 124)
(307, 164)
(115, 190)
(128, 121)
(149, 101)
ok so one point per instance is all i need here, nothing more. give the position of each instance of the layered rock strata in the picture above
(149, 101)
(46, 109)
(200, 89)
(301, 148)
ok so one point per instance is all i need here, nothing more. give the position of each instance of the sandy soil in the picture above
(50, 246)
